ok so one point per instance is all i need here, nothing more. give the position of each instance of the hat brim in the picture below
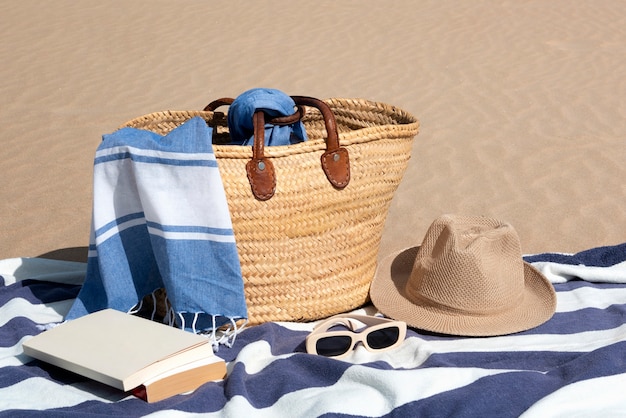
(388, 295)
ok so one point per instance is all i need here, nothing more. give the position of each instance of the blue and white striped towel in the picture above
(161, 220)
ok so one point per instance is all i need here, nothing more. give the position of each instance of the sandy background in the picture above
(522, 104)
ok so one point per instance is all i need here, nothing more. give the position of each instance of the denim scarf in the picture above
(274, 103)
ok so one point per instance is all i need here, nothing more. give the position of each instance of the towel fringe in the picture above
(217, 335)
(139, 306)
(225, 336)
(135, 309)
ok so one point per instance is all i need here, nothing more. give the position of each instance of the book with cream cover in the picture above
(129, 353)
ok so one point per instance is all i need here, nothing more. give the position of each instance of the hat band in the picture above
(424, 301)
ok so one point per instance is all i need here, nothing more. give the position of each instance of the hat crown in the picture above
(469, 265)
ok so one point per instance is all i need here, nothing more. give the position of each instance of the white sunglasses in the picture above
(378, 334)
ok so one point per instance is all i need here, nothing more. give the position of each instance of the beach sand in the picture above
(522, 104)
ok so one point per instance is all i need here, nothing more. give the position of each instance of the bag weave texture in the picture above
(310, 251)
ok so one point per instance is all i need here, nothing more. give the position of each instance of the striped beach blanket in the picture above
(572, 365)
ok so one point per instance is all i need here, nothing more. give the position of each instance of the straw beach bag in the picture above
(308, 234)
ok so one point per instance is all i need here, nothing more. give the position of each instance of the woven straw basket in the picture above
(310, 250)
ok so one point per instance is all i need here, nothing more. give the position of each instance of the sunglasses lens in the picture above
(333, 346)
(383, 338)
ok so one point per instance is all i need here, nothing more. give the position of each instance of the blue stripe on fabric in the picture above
(106, 227)
(36, 292)
(281, 340)
(12, 375)
(154, 160)
(191, 228)
(596, 257)
(14, 330)
(582, 320)
(574, 284)
(522, 360)
(587, 319)
(301, 371)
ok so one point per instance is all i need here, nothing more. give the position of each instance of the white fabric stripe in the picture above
(14, 356)
(53, 312)
(561, 273)
(50, 394)
(14, 270)
(203, 236)
(257, 356)
(155, 153)
(116, 229)
(598, 397)
(379, 387)
(199, 202)
(109, 182)
(578, 342)
(589, 297)
(174, 235)
(38, 313)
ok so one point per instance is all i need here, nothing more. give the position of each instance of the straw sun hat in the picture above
(467, 278)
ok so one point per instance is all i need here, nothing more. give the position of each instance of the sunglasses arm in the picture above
(350, 321)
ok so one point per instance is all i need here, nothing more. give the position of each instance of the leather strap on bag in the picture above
(335, 160)
(260, 170)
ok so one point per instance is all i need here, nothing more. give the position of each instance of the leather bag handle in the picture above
(335, 160)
